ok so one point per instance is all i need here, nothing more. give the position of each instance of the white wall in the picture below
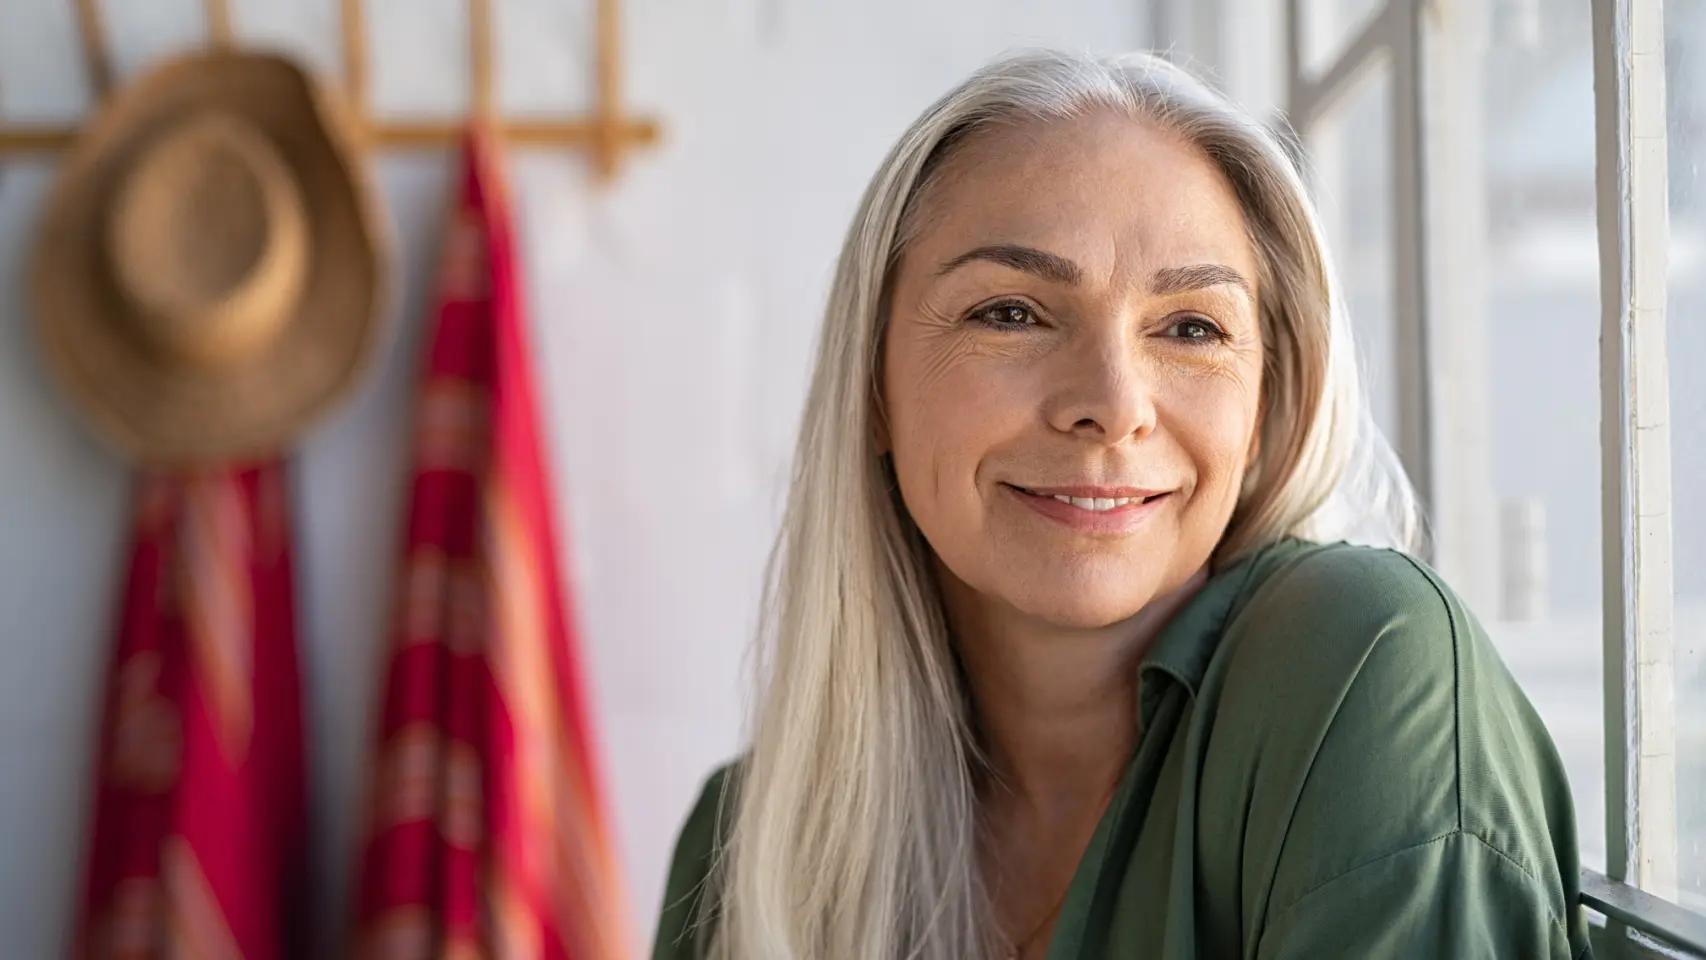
(674, 315)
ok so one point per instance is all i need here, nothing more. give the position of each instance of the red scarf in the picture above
(487, 834)
(198, 836)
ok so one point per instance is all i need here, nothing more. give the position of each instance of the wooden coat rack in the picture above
(606, 133)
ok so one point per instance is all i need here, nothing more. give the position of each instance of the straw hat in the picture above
(210, 271)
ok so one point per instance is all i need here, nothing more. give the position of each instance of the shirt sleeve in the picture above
(1450, 897)
(681, 930)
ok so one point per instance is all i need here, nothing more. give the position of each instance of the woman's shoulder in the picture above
(1337, 639)
(1344, 627)
(1313, 614)
(1303, 577)
(687, 901)
(1323, 630)
(1370, 709)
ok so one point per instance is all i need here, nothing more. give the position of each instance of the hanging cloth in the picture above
(197, 846)
(487, 833)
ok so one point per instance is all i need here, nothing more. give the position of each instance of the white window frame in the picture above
(1632, 904)
(1634, 237)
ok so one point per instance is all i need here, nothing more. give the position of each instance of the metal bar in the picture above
(1640, 746)
(93, 35)
(1644, 912)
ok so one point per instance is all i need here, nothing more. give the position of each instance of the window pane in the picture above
(1516, 307)
(1350, 153)
(1330, 27)
(1685, 72)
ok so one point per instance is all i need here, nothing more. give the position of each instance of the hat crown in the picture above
(210, 267)
(207, 240)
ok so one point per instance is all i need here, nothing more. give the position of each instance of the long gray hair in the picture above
(854, 814)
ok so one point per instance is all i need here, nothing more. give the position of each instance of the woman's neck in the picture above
(1056, 706)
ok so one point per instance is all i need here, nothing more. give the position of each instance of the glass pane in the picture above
(1350, 153)
(1685, 72)
(1516, 308)
(1330, 27)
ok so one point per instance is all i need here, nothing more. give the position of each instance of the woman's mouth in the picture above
(1108, 515)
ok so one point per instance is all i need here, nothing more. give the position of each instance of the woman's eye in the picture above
(1198, 328)
(1008, 313)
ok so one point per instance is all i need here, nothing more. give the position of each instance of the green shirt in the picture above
(1333, 762)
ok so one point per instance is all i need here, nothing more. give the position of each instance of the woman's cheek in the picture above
(980, 393)
(1213, 418)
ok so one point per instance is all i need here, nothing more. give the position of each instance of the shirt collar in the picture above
(1186, 644)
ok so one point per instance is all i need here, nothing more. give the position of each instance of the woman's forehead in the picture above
(1103, 190)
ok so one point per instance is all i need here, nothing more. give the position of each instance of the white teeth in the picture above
(1097, 503)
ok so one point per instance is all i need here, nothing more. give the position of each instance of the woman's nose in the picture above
(1108, 393)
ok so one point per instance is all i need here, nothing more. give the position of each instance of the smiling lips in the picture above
(1117, 514)
(1099, 499)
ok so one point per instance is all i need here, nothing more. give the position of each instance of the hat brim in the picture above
(159, 411)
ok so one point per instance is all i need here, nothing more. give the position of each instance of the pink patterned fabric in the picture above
(198, 836)
(487, 835)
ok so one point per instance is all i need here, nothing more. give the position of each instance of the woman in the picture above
(1067, 654)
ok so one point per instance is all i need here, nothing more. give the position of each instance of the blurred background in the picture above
(674, 312)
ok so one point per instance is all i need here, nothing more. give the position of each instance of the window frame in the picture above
(1631, 906)
(1639, 598)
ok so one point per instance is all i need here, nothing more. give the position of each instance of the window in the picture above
(1514, 318)
(1353, 191)
(1685, 87)
(1513, 191)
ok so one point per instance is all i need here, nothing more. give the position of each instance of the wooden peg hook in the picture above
(355, 57)
(607, 132)
(219, 24)
(480, 59)
(93, 35)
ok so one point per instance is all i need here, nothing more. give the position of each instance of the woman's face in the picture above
(1076, 315)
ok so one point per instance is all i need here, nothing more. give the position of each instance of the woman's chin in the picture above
(1079, 608)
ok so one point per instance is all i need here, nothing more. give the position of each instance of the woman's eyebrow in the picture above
(1049, 266)
(1197, 276)
(1058, 269)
